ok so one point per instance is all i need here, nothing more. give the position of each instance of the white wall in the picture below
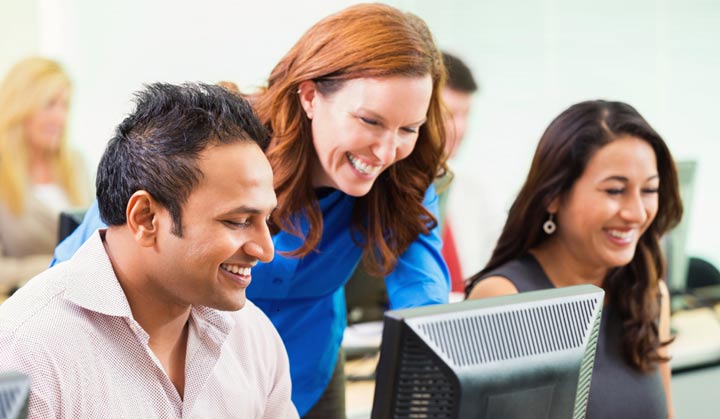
(533, 58)
(18, 31)
(112, 48)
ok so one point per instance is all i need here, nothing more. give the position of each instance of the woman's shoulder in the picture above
(517, 275)
(492, 286)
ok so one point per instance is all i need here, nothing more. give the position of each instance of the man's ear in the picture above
(307, 91)
(142, 220)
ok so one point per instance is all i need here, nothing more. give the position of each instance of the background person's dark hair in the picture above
(564, 151)
(156, 147)
(459, 76)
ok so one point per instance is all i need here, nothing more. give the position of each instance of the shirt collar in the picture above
(211, 320)
(93, 285)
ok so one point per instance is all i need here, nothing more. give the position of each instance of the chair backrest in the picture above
(69, 221)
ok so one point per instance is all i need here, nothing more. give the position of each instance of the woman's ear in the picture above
(307, 92)
(554, 205)
(141, 216)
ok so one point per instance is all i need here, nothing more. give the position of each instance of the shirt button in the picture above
(277, 281)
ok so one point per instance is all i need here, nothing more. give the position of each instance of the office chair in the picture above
(701, 273)
(69, 221)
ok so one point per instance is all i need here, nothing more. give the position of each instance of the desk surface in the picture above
(359, 393)
(697, 337)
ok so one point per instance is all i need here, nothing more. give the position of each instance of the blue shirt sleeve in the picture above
(67, 248)
(421, 276)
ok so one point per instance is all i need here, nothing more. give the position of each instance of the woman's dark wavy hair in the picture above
(560, 159)
(365, 40)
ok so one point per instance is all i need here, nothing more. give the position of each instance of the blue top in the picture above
(91, 222)
(304, 298)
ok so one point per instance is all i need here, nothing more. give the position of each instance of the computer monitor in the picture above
(527, 355)
(14, 393)
(675, 241)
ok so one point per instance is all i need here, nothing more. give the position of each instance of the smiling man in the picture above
(145, 320)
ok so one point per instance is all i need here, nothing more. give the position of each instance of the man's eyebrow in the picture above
(243, 209)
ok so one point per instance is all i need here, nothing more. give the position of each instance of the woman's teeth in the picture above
(362, 167)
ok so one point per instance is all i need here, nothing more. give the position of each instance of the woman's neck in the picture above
(563, 268)
(40, 167)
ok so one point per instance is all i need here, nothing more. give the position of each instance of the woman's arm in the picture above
(664, 330)
(25, 243)
(421, 276)
(72, 243)
(16, 271)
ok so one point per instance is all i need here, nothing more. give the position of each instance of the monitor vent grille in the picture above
(508, 335)
(423, 390)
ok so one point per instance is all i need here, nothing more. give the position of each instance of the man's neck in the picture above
(165, 321)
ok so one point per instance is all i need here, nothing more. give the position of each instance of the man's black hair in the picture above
(459, 76)
(156, 147)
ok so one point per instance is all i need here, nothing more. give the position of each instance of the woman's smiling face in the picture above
(364, 127)
(611, 205)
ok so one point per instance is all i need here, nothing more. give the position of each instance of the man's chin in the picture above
(235, 305)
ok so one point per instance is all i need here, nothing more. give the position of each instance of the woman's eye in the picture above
(410, 130)
(651, 190)
(369, 121)
(614, 191)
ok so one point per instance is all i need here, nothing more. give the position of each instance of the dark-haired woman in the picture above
(601, 191)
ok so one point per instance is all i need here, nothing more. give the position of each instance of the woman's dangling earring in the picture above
(549, 226)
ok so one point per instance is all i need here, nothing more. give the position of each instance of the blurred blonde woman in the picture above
(39, 177)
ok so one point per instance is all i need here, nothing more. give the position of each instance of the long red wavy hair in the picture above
(366, 40)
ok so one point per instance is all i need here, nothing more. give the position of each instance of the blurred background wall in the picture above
(533, 58)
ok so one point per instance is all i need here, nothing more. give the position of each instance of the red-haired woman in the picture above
(357, 129)
(601, 191)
